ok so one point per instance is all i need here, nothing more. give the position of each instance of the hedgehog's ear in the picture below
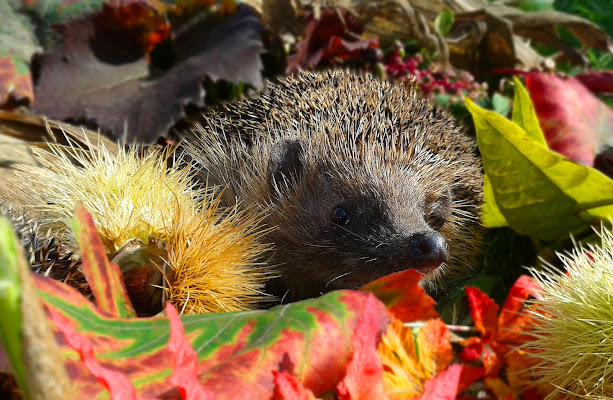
(285, 164)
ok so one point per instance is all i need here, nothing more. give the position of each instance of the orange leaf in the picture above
(435, 351)
(15, 82)
(499, 388)
(409, 361)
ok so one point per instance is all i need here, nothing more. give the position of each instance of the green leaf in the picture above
(10, 302)
(539, 192)
(444, 21)
(491, 217)
(524, 114)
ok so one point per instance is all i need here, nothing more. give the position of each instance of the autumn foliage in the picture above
(346, 343)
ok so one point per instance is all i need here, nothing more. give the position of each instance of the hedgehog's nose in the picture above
(428, 250)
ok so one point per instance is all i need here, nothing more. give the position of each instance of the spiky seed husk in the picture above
(214, 257)
(573, 340)
(134, 194)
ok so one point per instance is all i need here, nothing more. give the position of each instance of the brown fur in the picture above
(324, 140)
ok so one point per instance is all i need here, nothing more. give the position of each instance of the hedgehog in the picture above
(359, 178)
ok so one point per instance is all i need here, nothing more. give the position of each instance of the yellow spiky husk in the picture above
(131, 194)
(573, 340)
(212, 253)
(213, 261)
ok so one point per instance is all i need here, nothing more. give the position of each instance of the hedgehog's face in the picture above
(355, 231)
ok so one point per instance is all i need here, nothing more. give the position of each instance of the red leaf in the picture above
(118, 384)
(185, 370)
(469, 376)
(499, 333)
(403, 297)
(575, 122)
(532, 394)
(483, 310)
(288, 387)
(134, 21)
(444, 386)
(364, 372)
(485, 316)
(472, 350)
(486, 350)
(513, 325)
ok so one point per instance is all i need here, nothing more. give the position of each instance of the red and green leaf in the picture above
(185, 371)
(116, 382)
(104, 277)
(230, 355)
(237, 352)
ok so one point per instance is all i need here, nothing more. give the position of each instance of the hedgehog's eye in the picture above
(438, 212)
(436, 220)
(340, 216)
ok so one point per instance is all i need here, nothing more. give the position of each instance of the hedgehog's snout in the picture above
(427, 250)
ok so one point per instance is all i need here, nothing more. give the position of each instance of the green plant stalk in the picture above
(10, 303)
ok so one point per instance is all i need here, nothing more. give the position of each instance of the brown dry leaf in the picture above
(485, 35)
(90, 78)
